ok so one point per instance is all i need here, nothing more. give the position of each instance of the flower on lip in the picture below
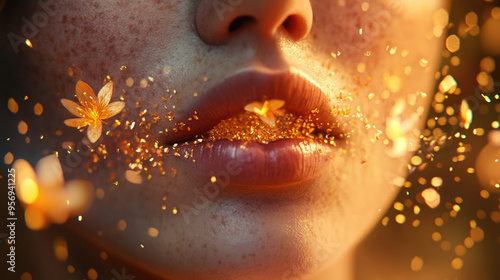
(93, 109)
(268, 110)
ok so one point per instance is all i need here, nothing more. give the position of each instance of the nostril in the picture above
(239, 22)
(295, 25)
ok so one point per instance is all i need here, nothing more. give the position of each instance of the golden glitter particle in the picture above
(144, 83)
(460, 250)
(167, 70)
(99, 193)
(445, 245)
(213, 179)
(423, 62)
(28, 43)
(436, 182)
(133, 177)
(415, 223)
(129, 82)
(61, 249)
(416, 209)
(361, 67)
(92, 274)
(393, 83)
(8, 158)
(122, 225)
(448, 84)
(457, 263)
(453, 43)
(495, 216)
(174, 210)
(399, 206)
(439, 221)
(436, 236)
(26, 276)
(80, 218)
(142, 246)
(490, 41)
(477, 234)
(153, 232)
(416, 160)
(495, 124)
(431, 197)
(103, 255)
(416, 264)
(365, 6)
(495, 13)
(70, 269)
(22, 127)
(469, 242)
(487, 64)
(38, 109)
(400, 219)
(28, 191)
(385, 221)
(12, 105)
(465, 114)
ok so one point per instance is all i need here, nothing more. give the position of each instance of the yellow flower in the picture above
(92, 110)
(268, 110)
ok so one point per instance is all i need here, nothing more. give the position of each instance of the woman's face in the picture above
(362, 71)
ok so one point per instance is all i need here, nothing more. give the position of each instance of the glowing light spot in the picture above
(448, 84)
(8, 158)
(92, 274)
(399, 206)
(153, 232)
(457, 263)
(38, 109)
(465, 114)
(34, 218)
(12, 105)
(400, 219)
(436, 182)
(61, 249)
(174, 210)
(453, 43)
(26, 276)
(487, 64)
(22, 127)
(122, 225)
(133, 177)
(416, 209)
(28, 191)
(365, 6)
(144, 83)
(213, 179)
(28, 43)
(431, 197)
(416, 264)
(416, 160)
(423, 62)
(436, 236)
(129, 82)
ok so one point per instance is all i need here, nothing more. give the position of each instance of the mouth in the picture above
(217, 136)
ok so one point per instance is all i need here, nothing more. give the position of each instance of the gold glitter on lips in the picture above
(249, 127)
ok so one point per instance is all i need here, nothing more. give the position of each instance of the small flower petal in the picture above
(77, 122)
(254, 107)
(270, 119)
(86, 95)
(74, 108)
(275, 104)
(112, 109)
(94, 131)
(104, 95)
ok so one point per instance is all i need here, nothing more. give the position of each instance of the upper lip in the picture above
(228, 98)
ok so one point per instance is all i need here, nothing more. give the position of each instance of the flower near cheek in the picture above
(92, 110)
(268, 110)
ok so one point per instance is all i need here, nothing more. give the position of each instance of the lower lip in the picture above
(279, 163)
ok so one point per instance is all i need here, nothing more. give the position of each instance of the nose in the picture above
(217, 20)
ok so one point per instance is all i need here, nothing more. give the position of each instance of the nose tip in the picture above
(217, 20)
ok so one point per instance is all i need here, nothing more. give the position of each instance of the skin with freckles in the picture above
(374, 62)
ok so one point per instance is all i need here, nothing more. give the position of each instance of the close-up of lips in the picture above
(214, 139)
